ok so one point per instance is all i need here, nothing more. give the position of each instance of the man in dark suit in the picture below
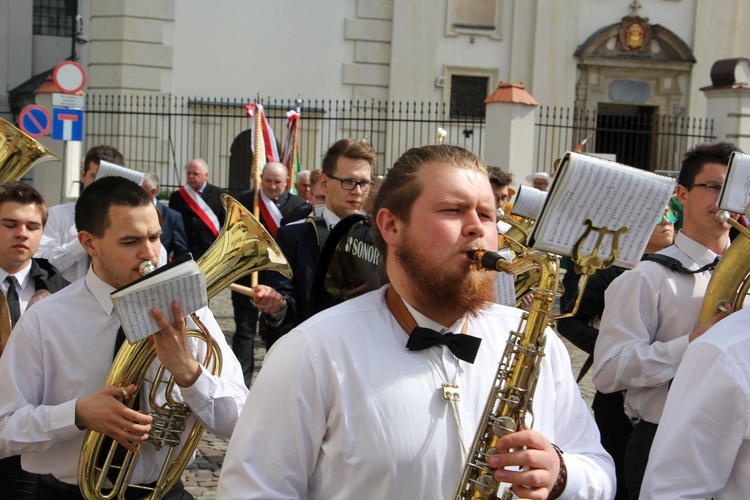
(346, 181)
(25, 280)
(200, 205)
(173, 237)
(277, 207)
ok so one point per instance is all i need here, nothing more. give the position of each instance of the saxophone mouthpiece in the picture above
(485, 259)
(146, 267)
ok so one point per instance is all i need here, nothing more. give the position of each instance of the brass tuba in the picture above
(18, 153)
(730, 281)
(242, 247)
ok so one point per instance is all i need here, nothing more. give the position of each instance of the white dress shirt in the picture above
(702, 447)
(342, 410)
(60, 245)
(649, 313)
(62, 349)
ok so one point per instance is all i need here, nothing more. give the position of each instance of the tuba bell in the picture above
(730, 281)
(18, 153)
(104, 472)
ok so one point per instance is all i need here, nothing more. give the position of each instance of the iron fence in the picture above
(641, 139)
(161, 133)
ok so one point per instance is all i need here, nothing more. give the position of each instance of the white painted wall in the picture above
(278, 48)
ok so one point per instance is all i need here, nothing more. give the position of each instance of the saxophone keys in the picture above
(502, 426)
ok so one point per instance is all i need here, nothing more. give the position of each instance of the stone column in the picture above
(130, 48)
(509, 130)
(729, 101)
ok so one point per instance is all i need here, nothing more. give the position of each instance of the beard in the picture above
(441, 288)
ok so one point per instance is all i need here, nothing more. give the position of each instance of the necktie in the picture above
(14, 307)
(461, 345)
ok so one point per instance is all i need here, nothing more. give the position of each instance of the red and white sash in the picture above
(270, 213)
(201, 208)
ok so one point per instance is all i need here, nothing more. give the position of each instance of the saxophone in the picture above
(515, 381)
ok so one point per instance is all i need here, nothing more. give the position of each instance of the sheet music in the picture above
(529, 202)
(611, 195)
(133, 307)
(736, 192)
(106, 169)
(505, 289)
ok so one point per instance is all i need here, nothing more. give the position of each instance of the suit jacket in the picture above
(173, 236)
(291, 206)
(299, 243)
(199, 235)
(46, 276)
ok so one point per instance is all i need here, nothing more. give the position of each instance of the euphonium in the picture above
(18, 153)
(515, 381)
(242, 247)
(730, 280)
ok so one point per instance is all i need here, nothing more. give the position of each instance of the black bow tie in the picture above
(461, 345)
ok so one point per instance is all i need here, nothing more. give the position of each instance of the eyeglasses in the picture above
(669, 215)
(711, 188)
(504, 198)
(350, 184)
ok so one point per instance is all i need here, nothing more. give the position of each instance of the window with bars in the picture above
(467, 96)
(55, 17)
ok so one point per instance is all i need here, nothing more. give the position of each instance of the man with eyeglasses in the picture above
(500, 182)
(651, 312)
(346, 180)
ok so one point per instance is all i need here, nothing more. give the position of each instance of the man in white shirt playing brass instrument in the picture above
(56, 363)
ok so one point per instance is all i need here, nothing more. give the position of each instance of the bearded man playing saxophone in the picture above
(60, 353)
(343, 410)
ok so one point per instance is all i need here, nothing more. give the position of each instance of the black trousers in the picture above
(636, 456)
(15, 483)
(243, 341)
(50, 488)
(615, 428)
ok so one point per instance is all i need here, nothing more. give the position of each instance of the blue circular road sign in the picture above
(34, 120)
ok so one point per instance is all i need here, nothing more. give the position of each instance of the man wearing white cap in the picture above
(539, 180)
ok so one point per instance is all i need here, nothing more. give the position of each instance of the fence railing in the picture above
(161, 133)
(643, 139)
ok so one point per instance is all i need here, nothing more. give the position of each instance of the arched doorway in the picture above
(631, 75)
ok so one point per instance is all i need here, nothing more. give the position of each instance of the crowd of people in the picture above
(376, 391)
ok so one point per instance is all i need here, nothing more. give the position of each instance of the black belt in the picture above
(73, 491)
(642, 423)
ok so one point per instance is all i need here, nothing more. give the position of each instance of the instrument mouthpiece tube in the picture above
(146, 267)
(487, 260)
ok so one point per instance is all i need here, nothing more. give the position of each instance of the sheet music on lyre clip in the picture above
(735, 195)
(610, 195)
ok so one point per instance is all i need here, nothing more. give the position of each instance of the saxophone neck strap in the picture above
(676, 265)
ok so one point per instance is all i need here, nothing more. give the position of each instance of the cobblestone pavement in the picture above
(202, 476)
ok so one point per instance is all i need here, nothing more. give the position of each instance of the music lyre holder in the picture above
(588, 265)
